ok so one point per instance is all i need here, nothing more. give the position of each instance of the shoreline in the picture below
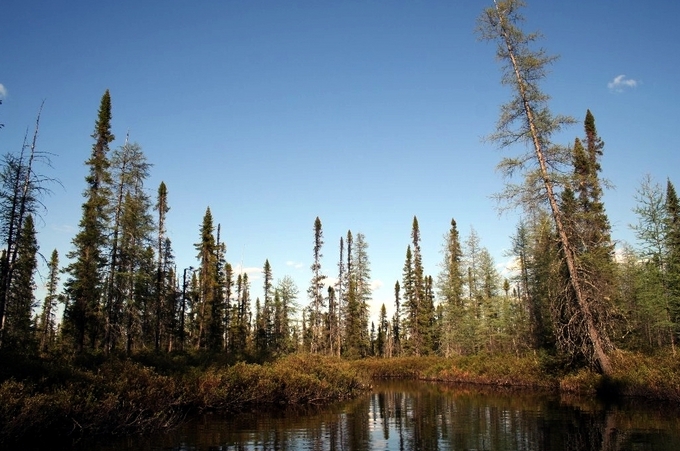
(126, 396)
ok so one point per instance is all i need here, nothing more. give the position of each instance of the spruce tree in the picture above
(47, 317)
(419, 304)
(412, 339)
(382, 341)
(19, 332)
(587, 228)
(169, 300)
(164, 309)
(427, 317)
(206, 256)
(450, 286)
(216, 324)
(245, 314)
(260, 331)
(672, 241)
(85, 285)
(268, 306)
(396, 320)
(228, 306)
(315, 291)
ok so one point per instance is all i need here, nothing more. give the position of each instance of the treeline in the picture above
(123, 292)
(572, 296)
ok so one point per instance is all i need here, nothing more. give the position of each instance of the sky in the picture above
(363, 113)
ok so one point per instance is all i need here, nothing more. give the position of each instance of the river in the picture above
(404, 415)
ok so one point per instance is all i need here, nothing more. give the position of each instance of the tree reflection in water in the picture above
(401, 415)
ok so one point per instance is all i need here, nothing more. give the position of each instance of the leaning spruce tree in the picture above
(527, 118)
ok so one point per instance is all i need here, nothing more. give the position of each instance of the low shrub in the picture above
(652, 377)
(490, 369)
(398, 367)
(121, 396)
(290, 381)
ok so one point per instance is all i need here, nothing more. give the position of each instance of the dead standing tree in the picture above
(20, 192)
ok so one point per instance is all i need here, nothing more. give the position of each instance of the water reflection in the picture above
(424, 416)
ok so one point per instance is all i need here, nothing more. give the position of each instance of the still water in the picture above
(428, 416)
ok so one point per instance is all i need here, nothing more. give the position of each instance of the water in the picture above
(428, 416)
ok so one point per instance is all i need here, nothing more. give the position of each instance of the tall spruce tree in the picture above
(162, 300)
(450, 286)
(315, 291)
(85, 284)
(417, 313)
(207, 254)
(419, 302)
(268, 305)
(587, 227)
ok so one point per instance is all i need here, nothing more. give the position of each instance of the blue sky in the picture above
(364, 113)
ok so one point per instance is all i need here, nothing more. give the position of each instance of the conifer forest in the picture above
(575, 298)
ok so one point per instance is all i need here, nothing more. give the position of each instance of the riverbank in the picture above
(97, 395)
(113, 396)
(655, 378)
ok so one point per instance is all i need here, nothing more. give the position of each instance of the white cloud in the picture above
(620, 82)
(3, 91)
(376, 284)
(254, 273)
(296, 265)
